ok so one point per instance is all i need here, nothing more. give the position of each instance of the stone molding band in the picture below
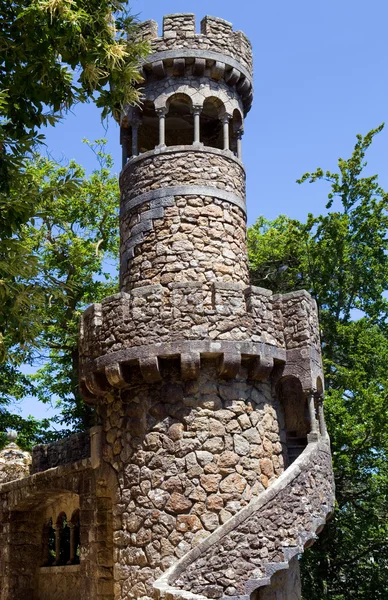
(184, 190)
(205, 54)
(108, 371)
(237, 75)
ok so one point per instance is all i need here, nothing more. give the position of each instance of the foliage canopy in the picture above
(341, 259)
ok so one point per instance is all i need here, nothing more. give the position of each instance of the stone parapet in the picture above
(182, 165)
(63, 452)
(217, 52)
(189, 320)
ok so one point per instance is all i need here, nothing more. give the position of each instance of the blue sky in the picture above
(320, 77)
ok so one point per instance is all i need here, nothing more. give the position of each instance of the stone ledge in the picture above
(109, 371)
(39, 479)
(197, 53)
(168, 192)
(59, 570)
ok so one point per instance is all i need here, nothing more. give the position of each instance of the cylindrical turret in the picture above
(205, 387)
(183, 209)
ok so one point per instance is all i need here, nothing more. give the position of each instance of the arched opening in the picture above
(179, 121)
(148, 137)
(211, 125)
(296, 416)
(235, 132)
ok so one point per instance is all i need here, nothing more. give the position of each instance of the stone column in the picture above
(135, 135)
(58, 531)
(239, 134)
(72, 544)
(313, 419)
(225, 123)
(197, 123)
(321, 416)
(46, 550)
(161, 112)
(124, 148)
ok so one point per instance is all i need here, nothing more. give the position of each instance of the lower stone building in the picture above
(210, 469)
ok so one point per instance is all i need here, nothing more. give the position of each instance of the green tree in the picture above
(53, 55)
(341, 258)
(74, 244)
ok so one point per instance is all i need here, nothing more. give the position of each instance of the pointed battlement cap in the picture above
(14, 462)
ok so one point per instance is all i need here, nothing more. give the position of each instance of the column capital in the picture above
(226, 117)
(197, 109)
(161, 111)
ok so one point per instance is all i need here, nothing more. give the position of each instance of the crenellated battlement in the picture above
(179, 31)
(157, 320)
(216, 52)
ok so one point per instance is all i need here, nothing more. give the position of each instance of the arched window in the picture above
(296, 416)
(149, 128)
(179, 121)
(62, 540)
(211, 125)
(61, 544)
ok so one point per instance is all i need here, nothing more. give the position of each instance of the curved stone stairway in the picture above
(243, 554)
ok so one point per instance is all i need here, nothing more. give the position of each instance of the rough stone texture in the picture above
(207, 474)
(61, 583)
(262, 538)
(188, 457)
(216, 34)
(25, 505)
(63, 452)
(285, 585)
(14, 463)
(178, 238)
(189, 167)
(190, 240)
(192, 312)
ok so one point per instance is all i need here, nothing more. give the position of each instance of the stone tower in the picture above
(208, 390)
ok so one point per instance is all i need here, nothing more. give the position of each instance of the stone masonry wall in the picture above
(269, 535)
(180, 312)
(188, 457)
(190, 238)
(182, 167)
(71, 449)
(61, 583)
(192, 311)
(285, 585)
(24, 507)
(182, 237)
(216, 35)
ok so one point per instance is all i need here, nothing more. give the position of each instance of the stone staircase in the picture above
(243, 554)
